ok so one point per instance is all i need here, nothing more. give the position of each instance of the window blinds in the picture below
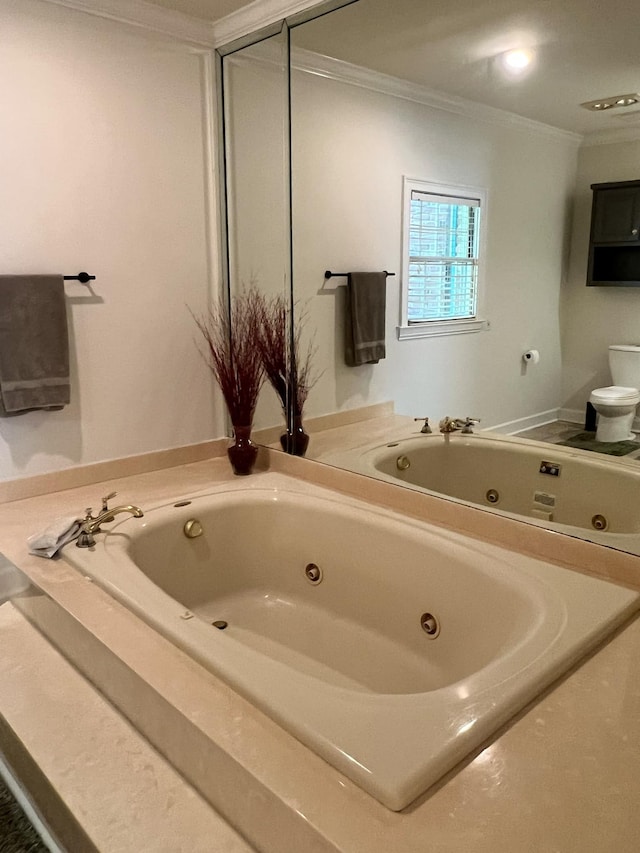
(443, 257)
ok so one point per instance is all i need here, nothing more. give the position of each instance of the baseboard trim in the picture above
(574, 416)
(531, 421)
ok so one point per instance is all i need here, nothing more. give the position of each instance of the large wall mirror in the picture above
(381, 93)
(255, 128)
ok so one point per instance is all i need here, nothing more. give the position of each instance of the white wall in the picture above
(595, 317)
(102, 156)
(351, 148)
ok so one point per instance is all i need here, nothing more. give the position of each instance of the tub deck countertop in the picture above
(562, 777)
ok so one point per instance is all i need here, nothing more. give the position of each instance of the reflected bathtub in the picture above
(575, 490)
(391, 648)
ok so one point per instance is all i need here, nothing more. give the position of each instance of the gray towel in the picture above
(54, 537)
(34, 344)
(365, 318)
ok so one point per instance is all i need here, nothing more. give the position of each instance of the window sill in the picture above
(435, 328)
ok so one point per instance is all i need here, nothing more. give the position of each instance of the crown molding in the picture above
(309, 62)
(264, 13)
(258, 15)
(207, 34)
(148, 16)
(345, 72)
(251, 18)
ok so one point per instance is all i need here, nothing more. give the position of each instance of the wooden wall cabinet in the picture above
(614, 247)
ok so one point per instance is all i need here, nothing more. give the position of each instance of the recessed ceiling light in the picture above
(516, 63)
(517, 58)
(612, 103)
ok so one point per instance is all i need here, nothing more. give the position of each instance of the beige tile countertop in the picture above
(100, 785)
(562, 776)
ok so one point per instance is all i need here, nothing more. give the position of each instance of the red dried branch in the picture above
(272, 344)
(231, 351)
(288, 369)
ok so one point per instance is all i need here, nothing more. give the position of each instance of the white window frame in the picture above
(430, 328)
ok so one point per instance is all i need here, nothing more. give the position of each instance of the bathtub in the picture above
(391, 648)
(572, 490)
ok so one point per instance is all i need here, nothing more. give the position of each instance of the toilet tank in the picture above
(624, 363)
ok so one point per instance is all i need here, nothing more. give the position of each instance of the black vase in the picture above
(295, 441)
(243, 452)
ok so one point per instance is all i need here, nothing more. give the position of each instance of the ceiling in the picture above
(208, 10)
(583, 50)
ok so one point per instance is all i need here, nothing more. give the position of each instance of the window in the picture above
(441, 260)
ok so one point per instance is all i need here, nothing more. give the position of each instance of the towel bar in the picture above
(82, 277)
(329, 274)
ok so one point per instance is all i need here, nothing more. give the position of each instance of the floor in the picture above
(558, 431)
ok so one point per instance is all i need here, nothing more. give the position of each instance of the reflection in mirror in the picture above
(256, 130)
(418, 90)
(356, 134)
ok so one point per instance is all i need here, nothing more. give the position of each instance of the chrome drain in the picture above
(493, 496)
(599, 522)
(430, 625)
(313, 573)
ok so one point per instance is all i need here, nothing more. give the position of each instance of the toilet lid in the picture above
(615, 394)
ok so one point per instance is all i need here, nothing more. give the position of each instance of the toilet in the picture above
(616, 404)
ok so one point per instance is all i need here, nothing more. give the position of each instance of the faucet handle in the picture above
(85, 537)
(425, 427)
(105, 501)
(468, 424)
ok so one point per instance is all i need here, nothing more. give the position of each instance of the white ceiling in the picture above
(208, 10)
(584, 50)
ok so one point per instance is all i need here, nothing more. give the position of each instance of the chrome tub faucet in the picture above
(91, 524)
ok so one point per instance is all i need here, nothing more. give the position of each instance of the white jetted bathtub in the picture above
(391, 648)
(573, 489)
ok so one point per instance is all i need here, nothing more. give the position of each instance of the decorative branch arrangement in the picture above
(287, 368)
(246, 343)
(230, 334)
(302, 365)
(272, 344)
